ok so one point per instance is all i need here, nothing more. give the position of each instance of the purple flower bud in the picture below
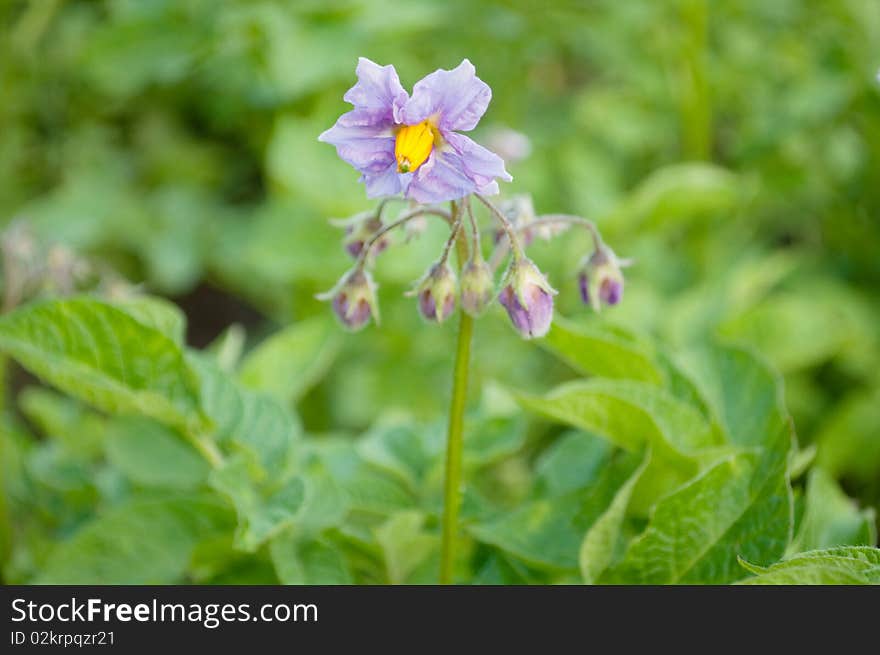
(584, 286)
(611, 291)
(359, 229)
(354, 299)
(526, 237)
(429, 310)
(477, 287)
(353, 312)
(353, 248)
(601, 278)
(436, 293)
(528, 299)
(356, 238)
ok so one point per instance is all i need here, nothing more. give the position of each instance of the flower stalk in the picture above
(429, 161)
(452, 486)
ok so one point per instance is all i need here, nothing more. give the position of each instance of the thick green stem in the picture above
(454, 445)
(455, 434)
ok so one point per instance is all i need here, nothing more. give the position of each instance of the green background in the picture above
(731, 147)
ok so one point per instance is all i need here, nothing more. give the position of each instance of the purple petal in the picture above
(611, 291)
(427, 306)
(385, 183)
(584, 286)
(352, 319)
(378, 88)
(490, 189)
(364, 139)
(483, 166)
(534, 319)
(457, 96)
(455, 170)
(441, 178)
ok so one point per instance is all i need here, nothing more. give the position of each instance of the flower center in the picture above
(413, 146)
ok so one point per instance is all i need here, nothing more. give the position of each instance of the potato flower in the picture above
(412, 144)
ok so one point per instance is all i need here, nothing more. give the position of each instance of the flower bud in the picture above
(477, 286)
(528, 299)
(436, 293)
(354, 299)
(359, 229)
(601, 278)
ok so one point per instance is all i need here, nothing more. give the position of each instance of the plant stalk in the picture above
(454, 445)
(452, 485)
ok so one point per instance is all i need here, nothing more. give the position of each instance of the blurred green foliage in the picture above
(732, 147)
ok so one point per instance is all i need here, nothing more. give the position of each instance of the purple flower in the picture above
(611, 291)
(359, 229)
(601, 278)
(354, 299)
(436, 293)
(477, 286)
(411, 144)
(528, 299)
(584, 286)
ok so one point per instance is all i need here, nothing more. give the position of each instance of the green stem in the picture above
(455, 434)
(454, 445)
(208, 449)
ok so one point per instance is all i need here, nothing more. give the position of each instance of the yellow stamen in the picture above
(413, 146)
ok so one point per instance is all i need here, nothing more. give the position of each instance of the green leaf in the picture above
(832, 519)
(101, 355)
(404, 544)
(399, 448)
(291, 361)
(308, 563)
(602, 352)
(156, 313)
(325, 504)
(149, 454)
(742, 393)
(776, 327)
(601, 541)
(834, 566)
(58, 417)
(573, 461)
(680, 193)
(139, 542)
(629, 414)
(741, 507)
(547, 532)
(847, 438)
(500, 570)
(370, 490)
(367, 487)
(263, 511)
(490, 439)
(252, 423)
(227, 348)
(801, 461)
